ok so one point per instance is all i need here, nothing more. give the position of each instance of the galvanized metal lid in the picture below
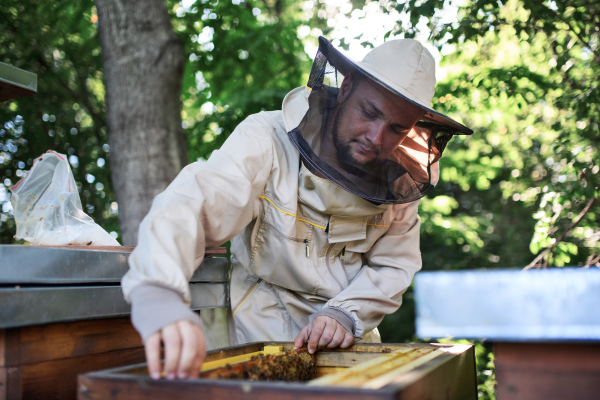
(559, 304)
(16, 82)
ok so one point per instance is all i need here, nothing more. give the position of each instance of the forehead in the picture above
(371, 93)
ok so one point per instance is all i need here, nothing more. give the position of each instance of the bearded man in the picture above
(320, 203)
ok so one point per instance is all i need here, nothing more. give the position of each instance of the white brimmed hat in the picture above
(404, 67)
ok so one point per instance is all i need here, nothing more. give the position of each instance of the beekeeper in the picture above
(319, 201)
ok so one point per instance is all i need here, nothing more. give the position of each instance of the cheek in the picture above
(390, 143)
(351, 126)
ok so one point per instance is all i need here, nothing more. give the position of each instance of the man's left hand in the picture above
(324, 332)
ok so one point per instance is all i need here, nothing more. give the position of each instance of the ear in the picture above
(346, 88)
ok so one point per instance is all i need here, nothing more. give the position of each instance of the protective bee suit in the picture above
(309, 237)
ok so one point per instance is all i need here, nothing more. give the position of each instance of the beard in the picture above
(344, 151)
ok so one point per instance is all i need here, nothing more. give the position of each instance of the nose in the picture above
(375, 134)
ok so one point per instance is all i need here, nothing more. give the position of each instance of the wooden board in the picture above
(42, 362)
(547, 370)
(450, 375)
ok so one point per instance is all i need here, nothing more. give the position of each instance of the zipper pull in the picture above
(307, 249)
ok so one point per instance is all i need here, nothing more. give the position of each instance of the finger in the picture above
(152, 349)
(189, 348)
(201, 355)
(315, 335)
(172, 341)
(348, 340)
(328, 332)
(338, 337)
(302, 337)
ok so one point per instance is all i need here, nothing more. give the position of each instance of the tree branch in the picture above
(578, 35)
(592, 261)
(561, 237)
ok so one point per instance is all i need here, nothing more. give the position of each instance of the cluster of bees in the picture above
(292, 366)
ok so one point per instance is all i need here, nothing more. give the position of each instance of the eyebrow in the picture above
(380, 113)
(374, 107)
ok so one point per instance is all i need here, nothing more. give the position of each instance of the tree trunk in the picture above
(143, 68)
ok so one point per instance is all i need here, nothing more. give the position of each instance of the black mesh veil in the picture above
(335, 139)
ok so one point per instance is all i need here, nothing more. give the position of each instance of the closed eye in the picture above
(399, 129)
(368, 114)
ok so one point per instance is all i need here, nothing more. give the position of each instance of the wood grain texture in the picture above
(14, 390)
(447, 377)
(41, 362)
(547, 371)
(58, 378)
(3, 383)
(343, 359)
(73, 339)
(9, 347)
(147, 389)
(2, 346)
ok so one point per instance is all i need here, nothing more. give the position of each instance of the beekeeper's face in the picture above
(369, 124)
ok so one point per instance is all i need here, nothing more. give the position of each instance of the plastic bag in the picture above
(48, 209)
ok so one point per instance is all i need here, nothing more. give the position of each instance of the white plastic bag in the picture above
(48, 209)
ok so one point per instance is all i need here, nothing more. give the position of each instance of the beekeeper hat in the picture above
(404, 67)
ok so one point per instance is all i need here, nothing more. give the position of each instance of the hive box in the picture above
(443, 372)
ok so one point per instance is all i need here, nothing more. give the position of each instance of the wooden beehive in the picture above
(365, 371)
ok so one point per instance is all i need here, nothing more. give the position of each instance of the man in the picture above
(320, 203)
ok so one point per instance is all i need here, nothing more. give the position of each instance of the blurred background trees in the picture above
(522, 74)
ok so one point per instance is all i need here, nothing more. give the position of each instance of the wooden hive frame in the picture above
(365, 371)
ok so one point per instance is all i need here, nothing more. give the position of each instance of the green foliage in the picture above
(522, 75)
(242, 57)
(240, 62)
(58, 42)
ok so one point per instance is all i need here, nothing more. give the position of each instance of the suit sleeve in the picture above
(206, 205)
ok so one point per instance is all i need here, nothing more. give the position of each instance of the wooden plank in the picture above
(450, 376)
(342, 359)
(94, 387)
(3, 383)
(324, 371)
(73, 339)
(360, 375)
(58, 378)
(9, 347)
(13, 383)
(2, 347)
(547, 370)
(377, 380)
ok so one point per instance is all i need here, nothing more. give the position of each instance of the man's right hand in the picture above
(185, 350)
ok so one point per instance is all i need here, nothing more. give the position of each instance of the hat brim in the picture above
(346, 65)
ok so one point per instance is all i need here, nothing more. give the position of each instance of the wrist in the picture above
(341, 316)
(154, 306)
